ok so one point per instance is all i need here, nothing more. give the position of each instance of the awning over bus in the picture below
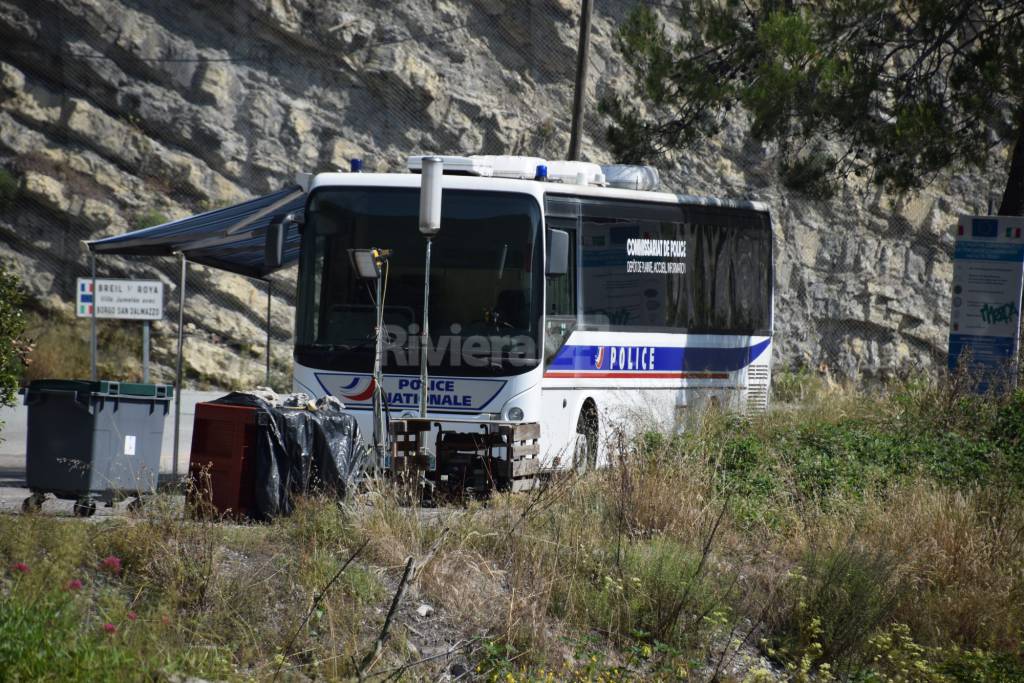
(231, 238)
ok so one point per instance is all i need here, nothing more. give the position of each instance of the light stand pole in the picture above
(379, 428)
(430, 225)
(367, 264)
(425, 335)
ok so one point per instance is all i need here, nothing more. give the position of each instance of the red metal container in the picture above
(223, 456)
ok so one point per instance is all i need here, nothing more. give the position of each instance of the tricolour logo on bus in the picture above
(360, 389)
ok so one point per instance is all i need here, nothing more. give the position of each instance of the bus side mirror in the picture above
(558, 252)
(273, 254)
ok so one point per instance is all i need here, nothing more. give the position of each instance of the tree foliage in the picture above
(894, 90)
(13, 349)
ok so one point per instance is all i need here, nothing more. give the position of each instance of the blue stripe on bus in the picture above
(632, 357)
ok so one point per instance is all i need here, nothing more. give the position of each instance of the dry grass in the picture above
(852, 538)
(61, 348)
(200, 597)
(664, 549)
(961, 559)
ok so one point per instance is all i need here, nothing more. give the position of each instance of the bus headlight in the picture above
(514, 414)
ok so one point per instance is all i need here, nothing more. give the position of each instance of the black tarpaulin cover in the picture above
(302, 451)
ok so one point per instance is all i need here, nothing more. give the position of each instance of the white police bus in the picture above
(556, 297)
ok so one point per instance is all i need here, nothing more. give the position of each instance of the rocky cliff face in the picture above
(116, 113)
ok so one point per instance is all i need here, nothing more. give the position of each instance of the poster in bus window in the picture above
(633, 273)
(613, 296)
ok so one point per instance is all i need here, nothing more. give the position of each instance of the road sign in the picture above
(120, 299)
(988, 272)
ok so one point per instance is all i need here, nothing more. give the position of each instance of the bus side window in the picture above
(561, 303)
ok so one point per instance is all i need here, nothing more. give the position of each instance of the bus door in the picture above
(561, 308)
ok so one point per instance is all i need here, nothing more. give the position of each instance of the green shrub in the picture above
(59, 634)
(797, 386)
(653, 595)
(980, 666)
(815, 455)
(43, 639)
(13, 349)
(840, 597)
(148, 219)
(8, 188)
(61, 348)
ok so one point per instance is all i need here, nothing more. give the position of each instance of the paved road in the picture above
(12, 446)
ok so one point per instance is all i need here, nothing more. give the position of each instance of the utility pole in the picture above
(582, 62)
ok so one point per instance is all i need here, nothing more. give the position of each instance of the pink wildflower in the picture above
(111, 564)
(20, 567)
(74, 585)
(132, 616)
(110, 628)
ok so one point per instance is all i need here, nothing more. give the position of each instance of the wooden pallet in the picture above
(407, 454)
(478, 461)
(519, 467)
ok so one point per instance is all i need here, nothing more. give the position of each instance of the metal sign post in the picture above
(145, 352)
(92, 318)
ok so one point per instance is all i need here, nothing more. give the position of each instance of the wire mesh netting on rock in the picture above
(124, 115)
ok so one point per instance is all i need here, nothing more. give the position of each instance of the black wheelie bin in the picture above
(90, 441)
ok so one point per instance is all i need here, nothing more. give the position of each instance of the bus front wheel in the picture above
(585, 453)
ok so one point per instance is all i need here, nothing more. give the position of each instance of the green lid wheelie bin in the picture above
(93, 440)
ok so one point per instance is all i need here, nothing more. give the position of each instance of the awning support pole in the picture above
(270, 292)
(177, 374)
(92, 321)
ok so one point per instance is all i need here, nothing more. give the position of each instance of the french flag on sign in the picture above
(85, 298)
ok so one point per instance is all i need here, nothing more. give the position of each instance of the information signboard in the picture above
(120, 299)
(988, 272)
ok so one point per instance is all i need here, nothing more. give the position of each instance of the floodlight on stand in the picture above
(430, 196)
(431, 175)
(365, 263)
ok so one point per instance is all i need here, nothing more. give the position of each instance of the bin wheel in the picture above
(136, 505)
(84, 508)
(33, 503)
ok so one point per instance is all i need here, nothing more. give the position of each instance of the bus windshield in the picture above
(485, 290)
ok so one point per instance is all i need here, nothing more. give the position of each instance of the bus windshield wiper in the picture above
(344, 347)
(359, 346)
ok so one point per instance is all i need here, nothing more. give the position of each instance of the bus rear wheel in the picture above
(585, 454)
